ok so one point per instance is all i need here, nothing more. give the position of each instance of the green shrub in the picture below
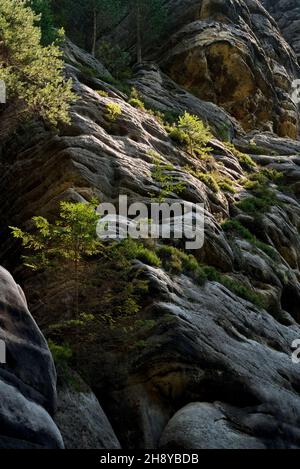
(200, 276)
(252, 205)
(166, 119)
(190, 263)
(87, 71)
(135, 99)
(177, 261)
(252, 185)
(136, 250)
(103, 94)
(272, 174)
(141, 344)
(257, 150)
(148, 257)
(235, 286)
(171, 258)
(260, 180)
(115, 59)
(196, 132)
(121, 85)
(212, 274)
(227, 186)
(261, 202)
(192, 133)
(137, 103)
(158, 116)
(34, 75)
(154, 155)
(113, 111)
(178, 135)
(243, 291)
(171, 117)
(169, 183)
(64, 244)
(290, 189)
(234, 226)
(61, 354)
(245, 160)
(209, 181)
(224, 132)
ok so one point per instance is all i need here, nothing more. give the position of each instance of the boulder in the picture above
(80, 418)
(28, 378)
(203, 425)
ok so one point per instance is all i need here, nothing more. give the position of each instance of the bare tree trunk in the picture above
(76, 289)
(138, 32)
(94, 32)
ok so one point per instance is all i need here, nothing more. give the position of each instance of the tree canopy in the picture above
(86, 21)
(33, 73)
(46, 20)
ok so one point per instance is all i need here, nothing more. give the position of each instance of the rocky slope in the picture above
(214, 369)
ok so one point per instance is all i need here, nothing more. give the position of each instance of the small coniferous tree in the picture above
(33, 74)
(196, 134)
(70, 239)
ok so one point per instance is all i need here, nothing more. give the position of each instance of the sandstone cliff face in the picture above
(231, 53)
(214, 370)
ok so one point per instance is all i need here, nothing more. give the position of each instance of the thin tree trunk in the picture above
(76, 289)
(138, 32)
(94, 32)
(77, 326)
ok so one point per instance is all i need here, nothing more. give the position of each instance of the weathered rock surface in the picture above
(28, 379)
(84, 61)
(161, 93)
(226, 359)
(208, 346)
(207, 426)
(231, 53)
(80, 418)
(287, 14)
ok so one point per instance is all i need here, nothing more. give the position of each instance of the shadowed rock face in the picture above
(214, 370)
(28, 379)
(80, 418)
(287, 14)
(208, 346)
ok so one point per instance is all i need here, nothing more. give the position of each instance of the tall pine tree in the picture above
(33, 74)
